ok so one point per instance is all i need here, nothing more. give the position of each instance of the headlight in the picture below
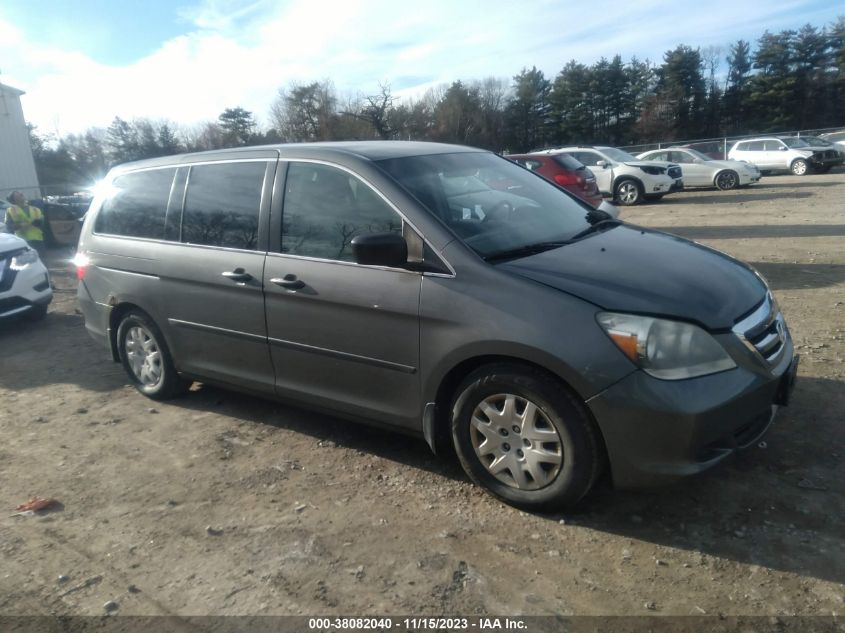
(654, 171)
(670, 350)
(24, 259)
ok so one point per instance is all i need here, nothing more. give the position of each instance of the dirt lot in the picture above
(217, 503)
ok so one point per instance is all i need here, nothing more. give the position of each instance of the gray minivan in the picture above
(440, 290)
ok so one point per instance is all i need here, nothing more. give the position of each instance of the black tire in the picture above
(628, 192)
(726, 180)
(799, 167)
(579, 445)
(823, 170)
(169, 384)
(37, 313)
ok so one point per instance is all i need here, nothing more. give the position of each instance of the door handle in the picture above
(239, 274)
(289, 281)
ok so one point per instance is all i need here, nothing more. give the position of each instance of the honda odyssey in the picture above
(540, 337)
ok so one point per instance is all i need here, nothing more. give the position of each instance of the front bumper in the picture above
(657, 431)
(678, 185)
(829, 158)
(749, 178)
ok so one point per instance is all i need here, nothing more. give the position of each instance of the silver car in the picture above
(702, 171)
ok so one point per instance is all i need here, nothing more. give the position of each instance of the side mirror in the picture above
(781, 148)
(380, 249)
(608, 208)
(601, 163)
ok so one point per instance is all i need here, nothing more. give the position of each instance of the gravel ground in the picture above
(218, 503)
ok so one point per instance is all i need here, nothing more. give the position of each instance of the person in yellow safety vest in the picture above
(26, 221)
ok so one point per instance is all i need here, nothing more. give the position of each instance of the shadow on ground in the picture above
(734, 196)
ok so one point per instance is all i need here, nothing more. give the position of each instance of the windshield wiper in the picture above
(524, 251)
(593, 228)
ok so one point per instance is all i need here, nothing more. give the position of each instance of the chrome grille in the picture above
(764, 331)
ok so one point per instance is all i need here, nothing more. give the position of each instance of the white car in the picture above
(623, 177)
(702, 171)
(785, 154)
(24, 281)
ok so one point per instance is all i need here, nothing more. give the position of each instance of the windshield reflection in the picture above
(491, 204)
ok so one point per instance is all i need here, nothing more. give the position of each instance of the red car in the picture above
(563, 170)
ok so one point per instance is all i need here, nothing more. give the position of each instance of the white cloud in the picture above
(235, 54)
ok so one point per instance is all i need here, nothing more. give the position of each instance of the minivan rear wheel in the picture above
(524, 437)
(146, 358)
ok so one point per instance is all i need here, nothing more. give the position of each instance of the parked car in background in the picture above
(565, 171)
(786, 154)
(622, 176)
(837, 138)
(63, 215)
(24, 281)
(701, 171)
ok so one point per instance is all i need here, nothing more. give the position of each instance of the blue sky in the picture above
(82, 62)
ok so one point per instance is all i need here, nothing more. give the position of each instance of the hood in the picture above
(9, 242)
(631, 269)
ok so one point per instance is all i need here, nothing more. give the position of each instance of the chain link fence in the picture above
(719, 147)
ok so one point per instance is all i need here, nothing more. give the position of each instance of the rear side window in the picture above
(533, 165)
(567, 162)
(587, 158)
(222, 204)
(138, 205)
(326, 207)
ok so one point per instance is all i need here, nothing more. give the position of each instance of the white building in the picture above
(17, 168)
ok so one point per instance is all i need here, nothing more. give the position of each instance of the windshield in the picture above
(795, 142)
(618, 155)
(491, 220)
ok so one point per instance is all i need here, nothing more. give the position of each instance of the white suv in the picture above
(622, 176)
(24, 281)
(785, 154)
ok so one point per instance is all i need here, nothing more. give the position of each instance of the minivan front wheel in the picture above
(146, 358)
(628, 192)
(521, 435)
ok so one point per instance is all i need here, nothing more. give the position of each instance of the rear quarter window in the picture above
(568, 162)
(137, 206)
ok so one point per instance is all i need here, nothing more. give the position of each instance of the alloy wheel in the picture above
(726, 180)
(143, 356)
(628, 193)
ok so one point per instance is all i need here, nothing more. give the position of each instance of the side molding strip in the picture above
(355, 358)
